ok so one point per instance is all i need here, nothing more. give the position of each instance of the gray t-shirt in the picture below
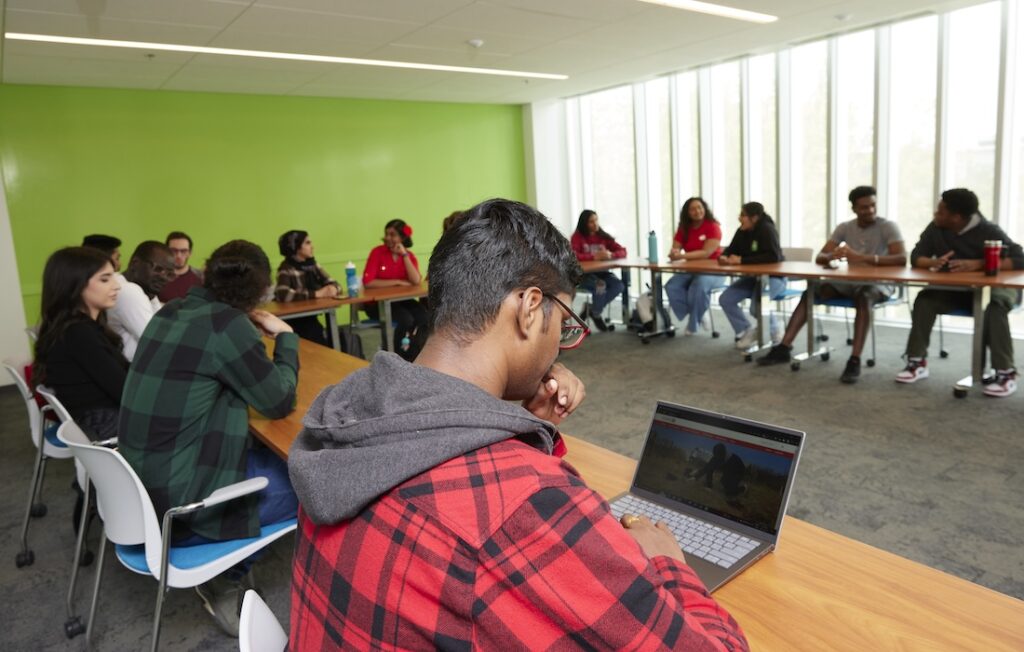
(874, 240)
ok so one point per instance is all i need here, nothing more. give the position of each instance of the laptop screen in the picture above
(727, 466)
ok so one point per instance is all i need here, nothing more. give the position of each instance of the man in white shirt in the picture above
(149, 270)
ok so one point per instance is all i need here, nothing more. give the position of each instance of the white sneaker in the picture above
(916, 369)
(747, 339)
(1004, 384)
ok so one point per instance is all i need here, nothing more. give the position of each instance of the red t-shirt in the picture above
(707, 230)
(380, 264)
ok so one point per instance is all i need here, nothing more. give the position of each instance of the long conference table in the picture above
(818, 591)
(976, 282)
(328, 307)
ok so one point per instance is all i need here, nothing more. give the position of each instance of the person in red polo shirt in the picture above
(699, 237)
(393, 264)
(435, 512)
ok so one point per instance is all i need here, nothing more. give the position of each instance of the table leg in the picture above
(387, 329)
(626, 282)
(332, 327)
(980, 298)
(812, 349)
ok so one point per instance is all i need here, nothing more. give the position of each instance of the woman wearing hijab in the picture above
(300, 277)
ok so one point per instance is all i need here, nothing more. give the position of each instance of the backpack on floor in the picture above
(643, 314)
(351, 343)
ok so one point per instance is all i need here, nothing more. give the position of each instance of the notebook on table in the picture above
(721, 483)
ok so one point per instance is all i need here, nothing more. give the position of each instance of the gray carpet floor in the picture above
(908, 469)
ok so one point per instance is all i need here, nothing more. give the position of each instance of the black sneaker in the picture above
(852, 371)
(599, 321)
(585, 313)
(778, 354)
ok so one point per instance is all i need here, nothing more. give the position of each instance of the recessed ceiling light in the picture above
(716, 10)
(260, 54)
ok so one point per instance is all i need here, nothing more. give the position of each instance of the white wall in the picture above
(13, 342)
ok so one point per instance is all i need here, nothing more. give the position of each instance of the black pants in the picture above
(410, 317)
(309, 328)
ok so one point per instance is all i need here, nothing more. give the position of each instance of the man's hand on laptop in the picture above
(559, 394)
(654, 539)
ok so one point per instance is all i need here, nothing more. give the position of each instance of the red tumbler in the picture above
(993, 249)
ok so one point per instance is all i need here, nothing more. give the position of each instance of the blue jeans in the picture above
(603, 288)
(744, 289)
(690, 294)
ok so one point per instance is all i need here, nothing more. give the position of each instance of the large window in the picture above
(762, 134)
(686, 158)
(855, 117)
(659, 128)
(912, 98)
(809, 132)
(613, 162)
(726, 167)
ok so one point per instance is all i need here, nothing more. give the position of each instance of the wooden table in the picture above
(818, 591)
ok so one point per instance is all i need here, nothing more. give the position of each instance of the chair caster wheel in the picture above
(823, 337)
(645, 341)
(611, 328)
(849, 342)
(38, 510)
(86, 559)
(73, 627)
(24, 558)
(825, 356)
(670, 333)
(795, 366)
(943, 354)
(715, 335)
(871, 363)
(748, 357)
(960, 393)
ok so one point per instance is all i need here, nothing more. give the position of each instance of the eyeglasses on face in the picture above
(574, 328)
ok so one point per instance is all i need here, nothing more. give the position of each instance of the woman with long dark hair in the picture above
(300, 277)
(391, 264)
(77, 355)
(591, 242)
(756, 241)
(697, 238)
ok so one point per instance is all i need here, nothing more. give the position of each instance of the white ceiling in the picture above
(598, 43)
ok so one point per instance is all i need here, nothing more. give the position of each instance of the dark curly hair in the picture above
(684, 215)
(399, 225)
(238, 274)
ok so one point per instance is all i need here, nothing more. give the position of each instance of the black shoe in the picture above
(852, 371)
(585, 313)
(778, 354)
(599, 322)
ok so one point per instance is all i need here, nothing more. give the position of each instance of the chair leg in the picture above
(26, 557)
(73, 625)
(96, 587)
(943, 353)
(871, 317)
(846, 321)
(38, 506)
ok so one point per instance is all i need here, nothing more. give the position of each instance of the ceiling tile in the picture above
(36, 22)
(269, 20)
(450, 38)
(419, 11)
(499, 19)
(57, 71)
(208, 13)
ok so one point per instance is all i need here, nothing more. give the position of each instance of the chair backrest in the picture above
(258, 629)
(124, 504)
(33, 333)
(798, 254)
(35, 420)
(54, 402)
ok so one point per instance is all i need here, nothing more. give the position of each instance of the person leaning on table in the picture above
(436, 514)
(300, 277)
(955, 241)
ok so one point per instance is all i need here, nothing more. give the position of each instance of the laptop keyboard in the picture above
(705, 540)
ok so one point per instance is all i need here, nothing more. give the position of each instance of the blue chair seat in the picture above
(50, 433)
(186, 557)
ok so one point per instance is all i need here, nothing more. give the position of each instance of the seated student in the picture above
(77, 355)
(591, 242)
(955, 241)
(108, 244)
(149, 269)
(300, 277)
(697, 238)
(864, 240)
(755, 241)
(185, 276)
(389, 265)
(184, 422)
(453, 525)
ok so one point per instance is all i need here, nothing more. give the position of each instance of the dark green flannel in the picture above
(184, 423)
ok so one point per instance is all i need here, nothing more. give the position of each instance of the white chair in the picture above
(48, 447)
(142, 543)
(258, 629)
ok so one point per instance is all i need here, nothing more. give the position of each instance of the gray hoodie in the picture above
(390, 422)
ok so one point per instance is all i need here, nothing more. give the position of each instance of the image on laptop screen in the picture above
(731, 468)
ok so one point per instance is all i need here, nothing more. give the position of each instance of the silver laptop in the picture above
(721, 483)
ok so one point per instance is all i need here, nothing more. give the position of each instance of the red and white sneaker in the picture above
(916, 369)
(1004, 384)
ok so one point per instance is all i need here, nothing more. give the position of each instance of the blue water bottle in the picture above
(351, 279)
(652, 247)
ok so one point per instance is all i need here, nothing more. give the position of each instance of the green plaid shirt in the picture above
(184, 423)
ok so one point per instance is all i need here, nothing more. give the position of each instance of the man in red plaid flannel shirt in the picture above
(433, 512)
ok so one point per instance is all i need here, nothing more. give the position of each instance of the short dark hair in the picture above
(146, 249)
(497, 247)
(178, 235)
(861, 192)
(960, 201)
(238, 274)
(399, 225)
(290, 241)
(105, 243)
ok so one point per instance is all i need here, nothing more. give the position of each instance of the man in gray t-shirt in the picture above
(865, 240)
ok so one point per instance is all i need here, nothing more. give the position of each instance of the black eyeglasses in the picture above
(574, 329)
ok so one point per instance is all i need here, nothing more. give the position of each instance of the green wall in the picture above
(137, 164)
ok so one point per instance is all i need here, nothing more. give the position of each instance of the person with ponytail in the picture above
(184, 426)
(77, 355)
(755, 241)
(591, 242)
(391, 264)
(300, 277)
